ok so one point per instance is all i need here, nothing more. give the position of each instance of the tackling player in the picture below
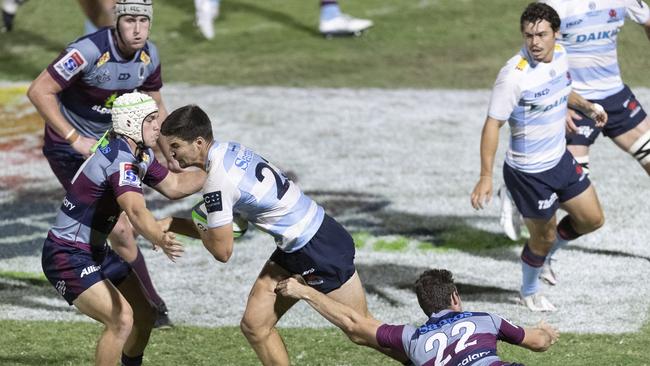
(532, 92)
(309, 242)
(589, 33)
(76, 258)
(75, 93)
(451, 336)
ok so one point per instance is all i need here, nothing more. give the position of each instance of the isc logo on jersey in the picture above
(70, 64)
(129, 175)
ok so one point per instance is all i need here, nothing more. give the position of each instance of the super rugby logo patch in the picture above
(129, 175)
(70, 64)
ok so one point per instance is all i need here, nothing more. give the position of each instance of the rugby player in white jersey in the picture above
(309, 242)
(531, 93)
(589, 33)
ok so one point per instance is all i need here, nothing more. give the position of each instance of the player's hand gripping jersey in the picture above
(533, 97)
(90, 209)
(589, 32)
(452, 338)
(92, 74)
(241, 181)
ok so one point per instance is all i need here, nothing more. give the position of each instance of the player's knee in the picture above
(254, 331)
(597, 221)
(121, 323)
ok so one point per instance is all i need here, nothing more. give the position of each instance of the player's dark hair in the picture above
(188, 123)
(434, 289)
(536, 12)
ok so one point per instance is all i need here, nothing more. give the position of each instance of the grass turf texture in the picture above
(418, 44)
(49, 343)
(414, 44)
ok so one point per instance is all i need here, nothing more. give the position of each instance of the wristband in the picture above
(72, 136)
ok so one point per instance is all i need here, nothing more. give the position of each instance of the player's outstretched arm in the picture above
(179, 185)
(482, 193)
(540, 338)
(360, 329)
(143, 221)
(179, 225)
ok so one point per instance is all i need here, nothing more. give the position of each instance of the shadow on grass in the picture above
(272, 15)
(371, 213)
(377, 277)
(21, 291)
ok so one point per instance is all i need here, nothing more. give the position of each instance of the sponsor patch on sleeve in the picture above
(70, 64)
(129, 175)
(213, 201)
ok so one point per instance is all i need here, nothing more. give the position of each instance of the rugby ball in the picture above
(200, 219)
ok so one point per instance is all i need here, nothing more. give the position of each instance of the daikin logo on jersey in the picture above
(596, 35)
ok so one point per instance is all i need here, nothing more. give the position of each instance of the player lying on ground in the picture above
(451, 336)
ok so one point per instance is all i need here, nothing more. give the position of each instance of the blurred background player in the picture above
(532, 93)
(589, 33)
(75, 93)
(309, 242)
(9, 9)
(451, 336)
(99, 14)
(332, 20)
(76, 258)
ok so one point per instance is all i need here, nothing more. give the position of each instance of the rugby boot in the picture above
(162, 317)
(343, 24)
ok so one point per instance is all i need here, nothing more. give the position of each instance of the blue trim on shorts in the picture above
(326, 262)
(538, 195)
(624, 112)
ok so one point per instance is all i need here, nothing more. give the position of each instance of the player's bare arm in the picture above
(179, 225)
(179, 185)
(360, 329)
(141, 218)
(592, 110)
(482, 193)
(540, 338)
(43, 94)
(219, 242)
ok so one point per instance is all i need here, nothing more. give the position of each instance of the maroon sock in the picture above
(140, 268)
(131, 361)
(566, 230)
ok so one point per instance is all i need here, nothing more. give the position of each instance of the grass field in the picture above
(415, 44)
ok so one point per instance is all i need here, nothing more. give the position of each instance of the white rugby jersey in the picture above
(533, 97)
(241, 181)
(588, 31)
